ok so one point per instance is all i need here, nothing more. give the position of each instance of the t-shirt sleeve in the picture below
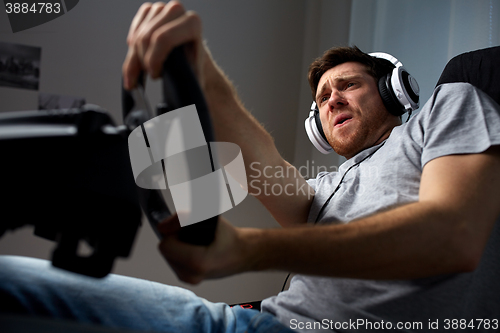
(458, 119)
(313, 182)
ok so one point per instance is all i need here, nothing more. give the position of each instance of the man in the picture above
(400, 229)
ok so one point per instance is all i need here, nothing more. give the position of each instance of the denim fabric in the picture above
(32, 286)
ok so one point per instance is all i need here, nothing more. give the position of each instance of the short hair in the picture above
(375, 67)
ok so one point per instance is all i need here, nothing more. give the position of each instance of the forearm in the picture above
(412, 241)
(444, 232)
(276, 183)
(233, 123)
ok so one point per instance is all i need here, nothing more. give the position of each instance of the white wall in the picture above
(326, 25)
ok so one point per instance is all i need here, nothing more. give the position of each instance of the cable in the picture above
(341, 180)
(284, 284)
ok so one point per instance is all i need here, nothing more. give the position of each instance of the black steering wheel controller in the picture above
(180, 89)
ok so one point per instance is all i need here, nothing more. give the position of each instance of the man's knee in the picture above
(16, 267)
(16, 277)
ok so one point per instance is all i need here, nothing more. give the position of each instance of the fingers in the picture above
(186, 260)
(131, 69)
(185, 29)
(158, 15)
(193, 263)
(137, 20)
(155, 30)
(132, 64)
(169, 226)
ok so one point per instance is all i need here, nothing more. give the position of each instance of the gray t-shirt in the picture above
(458, 119)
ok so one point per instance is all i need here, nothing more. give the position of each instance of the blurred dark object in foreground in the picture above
(67, 172)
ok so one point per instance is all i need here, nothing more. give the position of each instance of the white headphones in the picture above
(398, 89)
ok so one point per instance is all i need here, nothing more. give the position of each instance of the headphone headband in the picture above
(386, 56)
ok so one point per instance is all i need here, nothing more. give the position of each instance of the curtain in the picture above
(424, 34)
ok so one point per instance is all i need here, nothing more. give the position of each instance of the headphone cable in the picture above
(331, 196)
(341, 181)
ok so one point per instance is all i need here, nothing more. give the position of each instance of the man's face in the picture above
(351, 110)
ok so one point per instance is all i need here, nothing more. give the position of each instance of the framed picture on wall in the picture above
(20, 66)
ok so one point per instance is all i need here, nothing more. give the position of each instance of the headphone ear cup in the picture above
(319, 125)
(412, 89)
(315, 133)
(399, 90)
(390, 101)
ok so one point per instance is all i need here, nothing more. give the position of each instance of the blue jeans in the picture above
(33, 286)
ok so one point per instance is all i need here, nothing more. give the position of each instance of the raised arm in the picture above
(444, 232)
(155, 31)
